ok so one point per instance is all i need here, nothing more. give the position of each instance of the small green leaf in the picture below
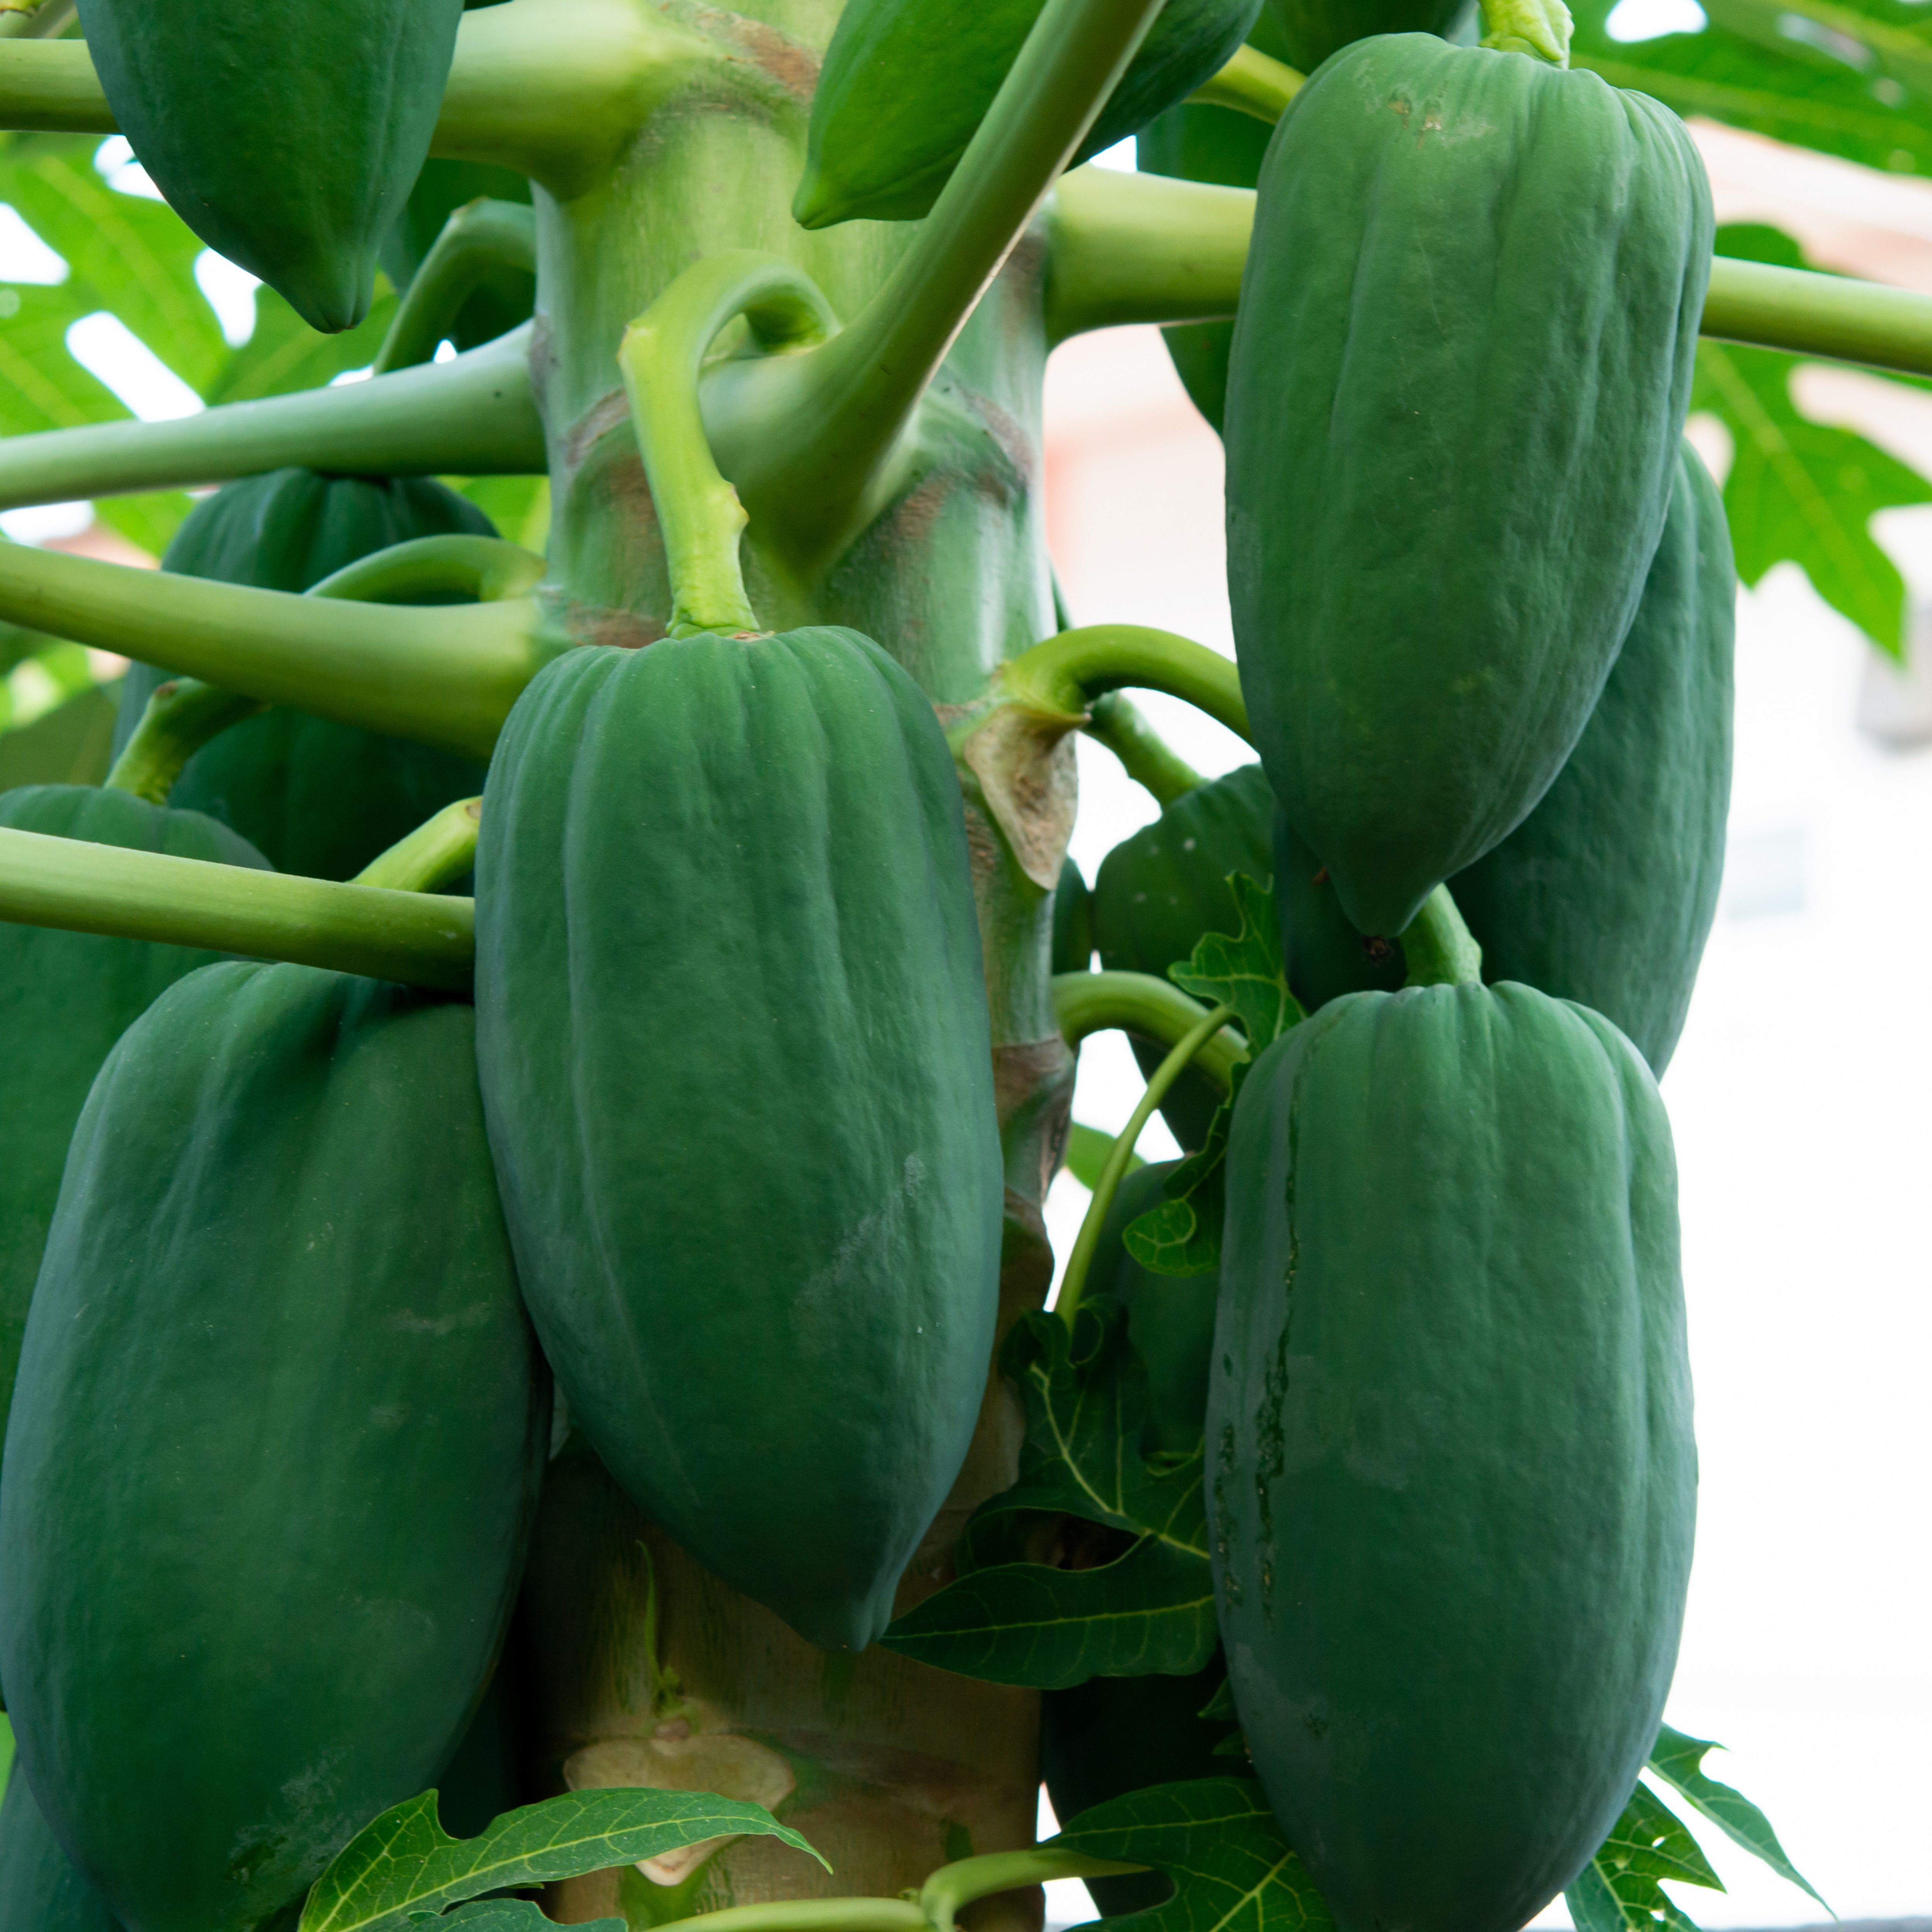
(514, 1914)
(1182, 1235)
(1618, 1891)
(1216, 1838)
(1678, 1760)
(405, 1865)
(1086, 1151)
(1220, 1708)
(1244, 970)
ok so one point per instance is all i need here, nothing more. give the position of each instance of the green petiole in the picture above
(182, 716)
(484, 236)
(1439, 948)
(1113, 721)
(435, 854)
(1150, 1008)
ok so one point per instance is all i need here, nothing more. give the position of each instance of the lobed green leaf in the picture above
(1678, 1760)
(1244, 970)
(1618, 1891)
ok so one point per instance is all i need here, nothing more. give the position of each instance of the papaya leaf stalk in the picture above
(1067, 671)
(481, 236)
(1113, 721)
(1255, 83)
(183, 714)
(1138, 1003)
(435, 854)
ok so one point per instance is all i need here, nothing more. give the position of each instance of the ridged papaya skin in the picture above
(287, 138)
(1605, 892)
(1437, 538)
(736, 1055)
(906, 83)
(1309, 30)
(1451, 1478)
(65, 998)
(1157, 892)
(318, 798)
(275, 1443)
(40, 1890)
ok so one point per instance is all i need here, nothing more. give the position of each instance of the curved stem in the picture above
(1440, 950)
(809, 1915)
(663, 350)
(1066, 672)
(435, 854)
(418, 939)
(182, 716)
(1073, 1284)
(1150, 1008)
(1144, 756)
(448, 676)
(481, 237)
(1255, 83)
(811, 444)
(475, 416)
(484, 570)
(954, 1886)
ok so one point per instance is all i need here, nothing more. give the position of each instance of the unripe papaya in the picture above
(1325, 955)
(1159, 890)
(287, 137)
(40, 1890)
(275, 1443)
(1451, 1479)
(735, 1047)
(1309, 30)
(65, 998)
(1073, 943)
(907, 82)
(1605, 893)
(319, 798)
(1437, 538)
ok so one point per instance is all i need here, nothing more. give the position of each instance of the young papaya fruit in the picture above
(318, 798)
(1159, 890)
(1325, 955)
(40, 1890)
(733, 1035)
(287, 138)
(65, 998)
(1437, 539)
(275, 1443)
(907, 82)
(1452, 1483)
(1605, 892)
(1073, 943)
(1309, 30)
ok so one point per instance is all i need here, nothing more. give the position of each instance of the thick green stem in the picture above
(1147, 759)
(1148, 1008)
(49, 87)
(1067, 673)
(954, 1885)
(1812, 314)
(447, 677)
(1538, 27)
(435, 854)
(418, 939)
(484, 570)
(1073, 1285)
(698, 512)
(476, 240)
(1253, 83)
(1439, 950)
(28, 21)
(818, 444)
(473, 417)
(182, 716)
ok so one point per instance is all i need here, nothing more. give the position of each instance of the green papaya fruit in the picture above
(1309, 30)
(1605, 892)
(275, 1443)
(287, 138)
(1159, 890)
(65, 998)
(906, 83)
(1325, 955)
(506, 299)
(1072, 921)
(736, 1055)
(1452, 1484)
(318, 798)
(40, 1890)
(1437, 538)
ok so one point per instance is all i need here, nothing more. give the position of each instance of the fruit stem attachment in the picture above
(479, 570)
(1149, 1009)
(182, 716)
(418, 939)
(954, 1885)
(1253, 82)
(1113, 720)
(1439, 948)
(479, 237)
(435, 854)
(1073, 1284)
(1539, 27)
(663, 350)
(1067, 673)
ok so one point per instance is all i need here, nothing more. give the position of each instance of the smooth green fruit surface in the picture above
(1438, 537)
(1309, 30)
(1073, 939)
(907, 82)
(65, 998)
(275, 1442)
(319, 798)
(40, 1890)
(1324, 954)
(1159, 890)
(1451, 1479)
(1605, 894)
(736, 1053)
(287, 138)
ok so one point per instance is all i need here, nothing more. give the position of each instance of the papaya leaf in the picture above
(1183, 1234)
(1217, 1839)
(514, 1915)
(1678, 1760)
(1220, 1708)
(405, 1866)
(1244, 970)
(1618, 1890)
